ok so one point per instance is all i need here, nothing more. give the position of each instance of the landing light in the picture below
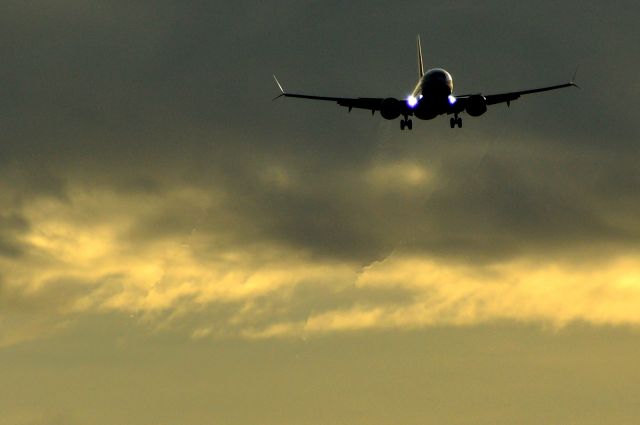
(412, 101)
(452, 99)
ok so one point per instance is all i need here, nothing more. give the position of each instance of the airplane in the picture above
(432, 96)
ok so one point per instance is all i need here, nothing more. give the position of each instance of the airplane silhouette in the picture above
(432, 96)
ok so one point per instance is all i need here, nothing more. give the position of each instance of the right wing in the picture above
(370, 103)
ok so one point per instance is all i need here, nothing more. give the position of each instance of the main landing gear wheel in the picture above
(406, 123)
(455, 121)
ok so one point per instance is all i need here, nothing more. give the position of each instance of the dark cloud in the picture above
(12, 226)
(137, 99)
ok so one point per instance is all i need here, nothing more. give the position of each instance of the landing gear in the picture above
(455, 121)
(406, 123)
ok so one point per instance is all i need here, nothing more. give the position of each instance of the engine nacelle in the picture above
(390, 108)
(476, 105)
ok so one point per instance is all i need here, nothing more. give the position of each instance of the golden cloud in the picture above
(80, 259)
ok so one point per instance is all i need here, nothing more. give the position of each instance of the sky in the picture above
(176, 247)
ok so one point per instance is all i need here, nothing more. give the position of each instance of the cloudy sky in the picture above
(177, 248)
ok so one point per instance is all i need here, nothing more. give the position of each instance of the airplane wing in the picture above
(493, 99)
(370, 103)
(508, 97)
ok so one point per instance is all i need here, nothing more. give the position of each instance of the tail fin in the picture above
(420, 64)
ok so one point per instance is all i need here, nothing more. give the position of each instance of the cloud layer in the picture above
(143, 170)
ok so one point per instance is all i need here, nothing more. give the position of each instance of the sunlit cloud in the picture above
(396, 175)
(80, 259)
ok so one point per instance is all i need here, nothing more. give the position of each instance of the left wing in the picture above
(492, 99)
(373, 104)
(508, 97)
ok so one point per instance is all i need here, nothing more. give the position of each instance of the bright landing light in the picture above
(412, 101)
(452, 99)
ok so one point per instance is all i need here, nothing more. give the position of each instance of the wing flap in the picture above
(369, 103)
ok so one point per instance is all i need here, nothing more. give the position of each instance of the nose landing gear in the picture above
(406, 123)
(455, 121)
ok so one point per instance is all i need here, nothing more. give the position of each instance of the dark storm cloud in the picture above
(11, 225)
(145, 98)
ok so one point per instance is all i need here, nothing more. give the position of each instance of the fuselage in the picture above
(432, 94)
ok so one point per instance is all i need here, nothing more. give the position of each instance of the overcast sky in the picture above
(177, 248)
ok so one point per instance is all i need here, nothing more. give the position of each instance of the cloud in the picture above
(144, 170)
(86, 254)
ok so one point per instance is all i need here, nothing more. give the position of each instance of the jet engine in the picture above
(390, 108)
(476, 105)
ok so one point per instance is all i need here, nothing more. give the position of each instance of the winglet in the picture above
(282, 93)
(573, 79)
(420, 64)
